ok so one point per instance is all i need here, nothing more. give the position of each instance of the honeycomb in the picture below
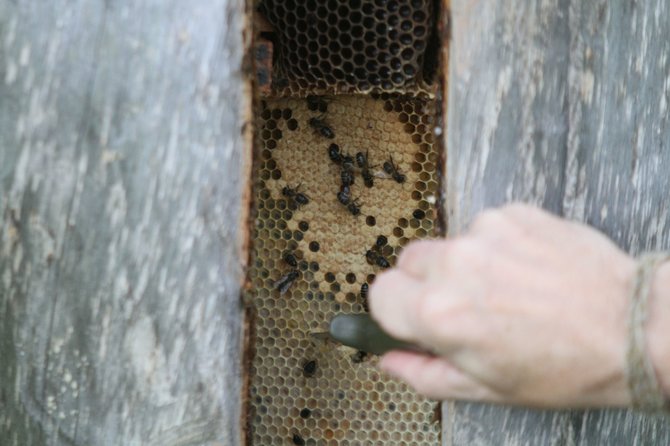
(352, 46)
(305, 389)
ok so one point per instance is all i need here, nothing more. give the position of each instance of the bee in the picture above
(371, 257)
(364, 290)
(298, 197)
(297, 439)
(315, 103)
(321, 127)
(301, 199)
(391, 169)
(362, 160)
(290, 260)
(419, 214)
(285, 282)
(347, 177)
(347, 162)
(334, 153)
(344, 195)
(354, 207)
(359, 357)
(288, 191)
(364, 296)
(309, 368)
(381, 242)
(382, 262)
(367, 178)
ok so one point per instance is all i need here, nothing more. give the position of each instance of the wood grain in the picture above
(562, 104)
(122, 173)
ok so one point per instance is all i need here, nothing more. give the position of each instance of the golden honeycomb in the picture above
(303, 388)
(352, 46)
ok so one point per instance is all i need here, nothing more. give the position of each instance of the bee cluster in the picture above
(347, 171)
(343, 184)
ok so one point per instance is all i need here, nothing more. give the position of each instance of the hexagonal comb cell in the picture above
(311, 261)
(351, 46)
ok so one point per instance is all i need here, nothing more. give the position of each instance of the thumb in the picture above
(435, 377)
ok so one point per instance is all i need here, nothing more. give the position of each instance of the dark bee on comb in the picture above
(297, 439)
(317, 103)
(391, 169)
(285, 282)
(344, 195)
(359, 357)
(364, 290)
(347, 177)
(382, 262)
(371, 257)
(347, 161)
(290, 260)
(334, 153)
(309, 368)
(368, 179)
(362, 160)
(364, 296)
(301, 199)
(354, 208)
(321, 127)
(292, 193)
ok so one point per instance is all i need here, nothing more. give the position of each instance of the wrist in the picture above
(658, 327)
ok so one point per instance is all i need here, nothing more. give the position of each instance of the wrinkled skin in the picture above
(524, 308)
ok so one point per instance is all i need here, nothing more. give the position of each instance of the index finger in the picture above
(392, 301)
(423, 259)
(423, 312)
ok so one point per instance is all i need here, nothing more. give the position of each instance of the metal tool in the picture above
(361, 332)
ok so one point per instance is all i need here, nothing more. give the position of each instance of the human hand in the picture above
(524, 308)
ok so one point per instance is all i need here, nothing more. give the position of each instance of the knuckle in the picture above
(375, 293)
(426, 307)
(460, 251)
(488, 220)
(422, 385)
(434, 313)
(525, 214)
(411, 254)
(517, 207)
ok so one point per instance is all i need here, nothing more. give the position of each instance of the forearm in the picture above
(658, 326)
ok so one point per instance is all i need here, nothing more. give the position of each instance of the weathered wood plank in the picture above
(618, 155)
(507, 101)
(562, 104)
(507, 132)
(122, 171)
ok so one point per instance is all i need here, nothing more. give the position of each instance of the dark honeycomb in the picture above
(304, 388)
(351, 46)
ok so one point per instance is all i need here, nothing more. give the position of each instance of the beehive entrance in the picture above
(305, 390)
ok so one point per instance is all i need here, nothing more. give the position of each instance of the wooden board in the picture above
(562, 104)
(122, 175)
(121, 172)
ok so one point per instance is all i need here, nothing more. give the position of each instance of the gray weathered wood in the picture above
(618, 155)
(122, 173)
(562, 104)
